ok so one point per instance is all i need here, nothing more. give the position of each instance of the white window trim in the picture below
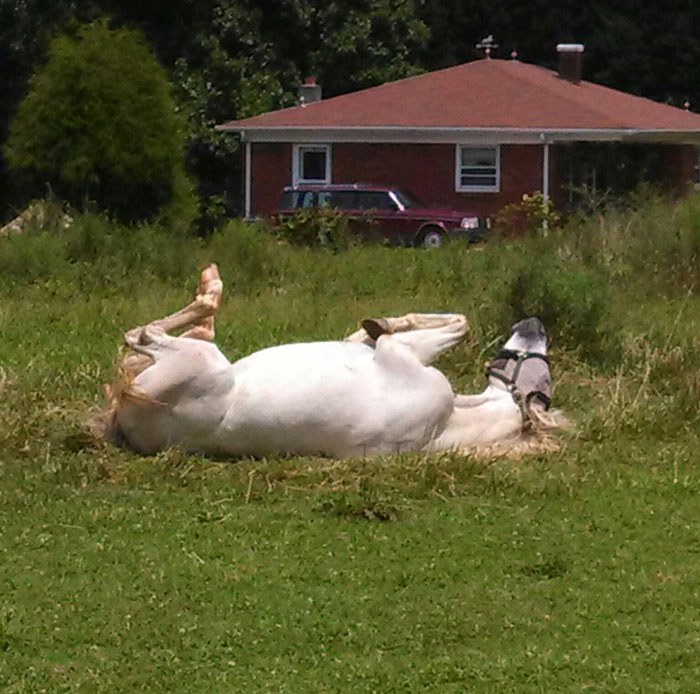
(296, 170)
(458, 170)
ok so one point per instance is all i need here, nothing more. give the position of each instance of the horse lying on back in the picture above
(374, 392)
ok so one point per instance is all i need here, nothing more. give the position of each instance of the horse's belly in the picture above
(331, 399)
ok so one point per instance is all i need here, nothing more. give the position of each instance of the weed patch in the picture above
(547, 567)
(316, 227)
(357, 506)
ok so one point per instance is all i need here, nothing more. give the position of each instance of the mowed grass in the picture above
(184, 579)
(570, 571)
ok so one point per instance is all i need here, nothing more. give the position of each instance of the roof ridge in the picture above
(573, 98)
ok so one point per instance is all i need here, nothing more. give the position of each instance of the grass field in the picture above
(571, 571)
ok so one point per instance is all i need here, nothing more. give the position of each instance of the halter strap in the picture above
(511, 383)
(520, 356)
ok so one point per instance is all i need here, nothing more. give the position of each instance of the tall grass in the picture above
(580, 279)
(645, 240)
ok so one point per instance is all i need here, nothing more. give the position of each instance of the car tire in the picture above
(432, 238)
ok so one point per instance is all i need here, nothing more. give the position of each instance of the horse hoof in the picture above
(375, 327)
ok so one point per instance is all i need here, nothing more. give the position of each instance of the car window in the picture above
(306, 199)
(405, 199)
(288, 200)
(343, 199)
(340, 199)
(294, 199)
(374, 200)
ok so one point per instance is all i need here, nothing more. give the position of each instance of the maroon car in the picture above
(389, 213)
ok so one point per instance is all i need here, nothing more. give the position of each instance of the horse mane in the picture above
(539, 431)
(104, 422)
(542, 421)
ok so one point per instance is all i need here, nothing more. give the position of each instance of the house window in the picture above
(312, 164)
(478, 169)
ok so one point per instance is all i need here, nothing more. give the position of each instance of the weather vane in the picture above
(487, 45)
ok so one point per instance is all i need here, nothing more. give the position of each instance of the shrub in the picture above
(532, 213)
(573, 303)
(316, 226)
(99, 123)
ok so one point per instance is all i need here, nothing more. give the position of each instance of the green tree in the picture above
(247, 57)
(99, 124)
(25, 26)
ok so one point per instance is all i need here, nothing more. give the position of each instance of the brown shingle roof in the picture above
(487, 93)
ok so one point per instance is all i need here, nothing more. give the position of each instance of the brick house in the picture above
(475, 136)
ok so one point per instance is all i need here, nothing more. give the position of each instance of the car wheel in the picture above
(432, 239)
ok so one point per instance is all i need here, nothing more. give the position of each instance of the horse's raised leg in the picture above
(197, 319)
(373, 328)
(198, 316)
(427, 343)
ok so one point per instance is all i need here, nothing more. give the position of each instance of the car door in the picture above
(347, 202)
(379, 215)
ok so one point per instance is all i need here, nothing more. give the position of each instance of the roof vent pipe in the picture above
(309, 91)
(570, 58)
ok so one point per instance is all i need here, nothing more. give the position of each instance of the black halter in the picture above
(522, 400)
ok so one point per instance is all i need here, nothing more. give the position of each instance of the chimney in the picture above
(309, 91)
(570, 55)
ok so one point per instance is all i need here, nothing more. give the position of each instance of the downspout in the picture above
(545, 175)
(545, 170)
(248, 178)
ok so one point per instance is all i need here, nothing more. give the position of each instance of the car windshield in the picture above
(405, 199)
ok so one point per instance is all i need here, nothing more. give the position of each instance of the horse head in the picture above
(522, 367)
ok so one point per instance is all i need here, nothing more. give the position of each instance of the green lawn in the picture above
(565, 579)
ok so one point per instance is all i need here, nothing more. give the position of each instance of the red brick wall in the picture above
(271, 170)
(521, 172)
(428, 171)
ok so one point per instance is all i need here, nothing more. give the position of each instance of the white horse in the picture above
(374, 392)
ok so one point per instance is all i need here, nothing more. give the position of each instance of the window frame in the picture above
(496, 188)
(297, 153)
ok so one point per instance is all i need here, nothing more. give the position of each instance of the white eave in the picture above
(454, 135)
